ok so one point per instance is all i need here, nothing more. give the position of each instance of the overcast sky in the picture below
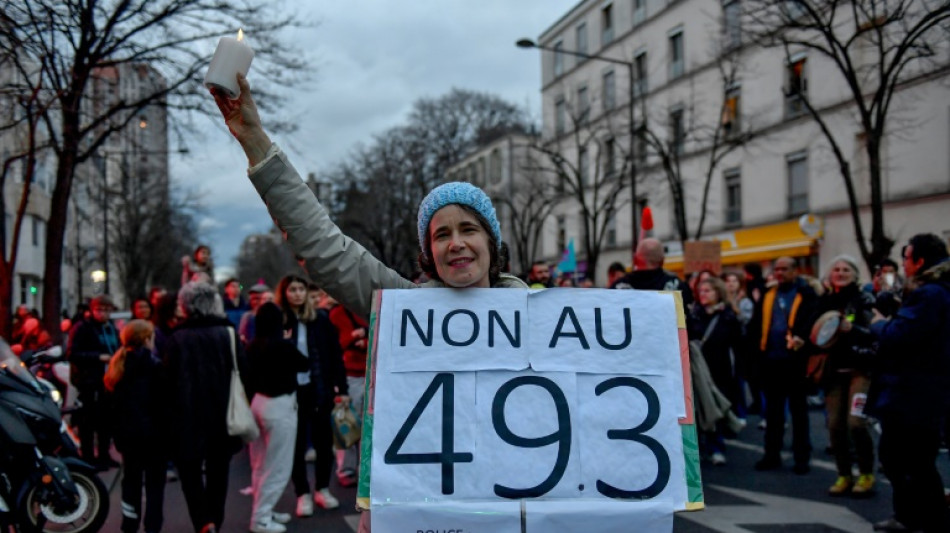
(373, 59)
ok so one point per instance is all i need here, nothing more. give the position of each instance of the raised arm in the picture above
(338, 264)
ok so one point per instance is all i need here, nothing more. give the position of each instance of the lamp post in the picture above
(528, 43)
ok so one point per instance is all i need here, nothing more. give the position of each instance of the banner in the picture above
(507, 410)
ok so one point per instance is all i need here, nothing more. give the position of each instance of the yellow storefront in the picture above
(762, 244)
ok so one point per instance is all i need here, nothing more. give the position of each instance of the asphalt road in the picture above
(738, 499)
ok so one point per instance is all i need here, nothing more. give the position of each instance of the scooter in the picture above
(44, 485)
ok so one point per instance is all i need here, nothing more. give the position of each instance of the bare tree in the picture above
(59, 48)
(532, 201)
(265, 256)
(876, 46)
(582, 167)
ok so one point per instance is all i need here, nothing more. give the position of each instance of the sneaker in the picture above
(718, 459)
(324, 499)
(864, 486)
(310, 456)
(841, 487)
(304, 505)
(267, 526)
(346, 478)
(891, 524)
(280, 518)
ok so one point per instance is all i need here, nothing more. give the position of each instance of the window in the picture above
(581, 34)
(38, 230)
(606, 24)
(733, 181)
(642, 146)
(676, 53)
(610, 90)
(732, 24)
(640, 86)
(731, 111)
(611, 230)
(583, 104)
(558, 58)
(561, 233)
(639, 11)
(677, 130)
(560, 116)
(797, 183)
(796, 87)
(609, 154)
(494, 166)
(583, 167)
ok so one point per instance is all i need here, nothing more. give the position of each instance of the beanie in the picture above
(460, 193)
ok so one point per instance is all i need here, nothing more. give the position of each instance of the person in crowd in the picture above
(316, 341)
(197, 365)
(34, 336)
(736, 297)
(912, 382)
(274, 363)
(141, 309)
(256, 296)
(234, 304)
(648, 273)
(754, 281)
(782, 322)
(715, 325)
(20, 316)
(615, 271)
(155, 294)
(353, 338)
(197, 267)
(886, 278)
(134, 383)
(565, 280)
(91, 345)
(166, 318)
(694, 280)
(539, 277)
(314, 295)
(846, 377)
(459, 233)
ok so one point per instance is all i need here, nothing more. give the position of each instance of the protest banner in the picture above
(507, 410)
(702, 255)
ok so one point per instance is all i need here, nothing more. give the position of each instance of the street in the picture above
(738, 499)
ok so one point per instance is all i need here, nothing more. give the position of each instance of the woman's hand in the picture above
(243, 121)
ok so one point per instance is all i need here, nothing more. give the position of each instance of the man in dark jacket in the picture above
(91, 345)
(781, 323)
(914, 388)
(197, 367)
(648, 273)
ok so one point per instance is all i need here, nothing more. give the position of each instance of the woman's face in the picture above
(142, 310)
(460, 248)
(707, 294)
(841, 275)
(202, 255)
(296, 294)
(732, 284)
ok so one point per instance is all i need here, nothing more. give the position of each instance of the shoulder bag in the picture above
(241, 421)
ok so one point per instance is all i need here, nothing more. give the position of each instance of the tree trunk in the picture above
(881, 244)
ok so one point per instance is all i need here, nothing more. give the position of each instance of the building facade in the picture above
(689, 71)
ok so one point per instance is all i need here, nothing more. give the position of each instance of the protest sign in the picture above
(531, 408)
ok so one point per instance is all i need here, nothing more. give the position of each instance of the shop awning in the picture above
(753, 245)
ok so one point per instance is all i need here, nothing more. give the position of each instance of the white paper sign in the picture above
(461, 422)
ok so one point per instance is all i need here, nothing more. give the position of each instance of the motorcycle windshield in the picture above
(11, 365)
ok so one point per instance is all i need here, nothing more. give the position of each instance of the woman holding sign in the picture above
(459, 233)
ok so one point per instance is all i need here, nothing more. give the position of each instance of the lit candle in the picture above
(231, 56)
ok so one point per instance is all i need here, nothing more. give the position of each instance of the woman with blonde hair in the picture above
(132, 379)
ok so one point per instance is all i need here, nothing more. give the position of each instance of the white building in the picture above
(757, 193)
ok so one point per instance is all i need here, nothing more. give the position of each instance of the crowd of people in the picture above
(764, 342)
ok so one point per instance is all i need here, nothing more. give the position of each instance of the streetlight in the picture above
(528, 43)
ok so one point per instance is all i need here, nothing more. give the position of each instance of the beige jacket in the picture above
(335, 262)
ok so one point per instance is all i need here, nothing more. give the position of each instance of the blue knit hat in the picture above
(461, 193)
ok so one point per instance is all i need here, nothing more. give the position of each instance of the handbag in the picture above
(346, 430)
(240, 419)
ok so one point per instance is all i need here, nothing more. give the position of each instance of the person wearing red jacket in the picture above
(353, 339)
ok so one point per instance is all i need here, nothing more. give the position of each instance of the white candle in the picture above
(231, 56)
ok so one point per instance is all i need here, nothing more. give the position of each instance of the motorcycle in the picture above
(44, 485)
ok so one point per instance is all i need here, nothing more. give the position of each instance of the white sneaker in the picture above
(310, 456)
(267, 526)
(718, 459)
(304, 505)
(324, 499)
(280, 518)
